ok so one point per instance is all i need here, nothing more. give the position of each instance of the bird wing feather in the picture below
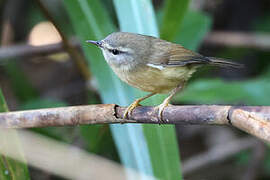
(169, 54)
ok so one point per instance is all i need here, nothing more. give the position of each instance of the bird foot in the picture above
(130, 108)
(161, 108)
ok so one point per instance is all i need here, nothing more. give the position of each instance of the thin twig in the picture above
(251, 119)
(78, 58)
(239, 39)
(25, 50)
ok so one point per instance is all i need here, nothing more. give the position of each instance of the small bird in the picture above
(152, 64)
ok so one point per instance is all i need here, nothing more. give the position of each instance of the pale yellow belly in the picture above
(155, 80)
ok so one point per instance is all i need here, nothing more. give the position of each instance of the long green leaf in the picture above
(21, 86)
(252, 92)
(194, 27)
(3, 104)
(173, 14)
(89, 23)
(9, 168)
(138, 16)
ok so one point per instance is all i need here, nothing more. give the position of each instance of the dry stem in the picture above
(251, 119)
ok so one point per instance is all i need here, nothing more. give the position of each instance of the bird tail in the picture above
(224, 63)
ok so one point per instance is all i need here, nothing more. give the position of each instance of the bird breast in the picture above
(154, 79)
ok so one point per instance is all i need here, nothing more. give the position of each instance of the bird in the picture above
(153, 65)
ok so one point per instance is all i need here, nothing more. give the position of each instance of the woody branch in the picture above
(254, 120)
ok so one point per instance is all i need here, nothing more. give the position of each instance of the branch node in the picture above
(229, 115)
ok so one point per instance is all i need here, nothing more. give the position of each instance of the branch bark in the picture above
(254, 120)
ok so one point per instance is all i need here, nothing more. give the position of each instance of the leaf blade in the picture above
(11, 169)
(153, 136)
(174, 12)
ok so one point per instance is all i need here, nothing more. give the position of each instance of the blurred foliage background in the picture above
(75, 74)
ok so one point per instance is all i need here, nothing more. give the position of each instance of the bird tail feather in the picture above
(224, 63)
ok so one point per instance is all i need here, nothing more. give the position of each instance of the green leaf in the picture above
(163, 148)
(99, 140)
(21, 86)
(164, 157)
(9, 168)
(89, 23)
(193, 29)
(3, 104)
(173, 14)
(67, 134)
(243, 157)
(251, 92)
(262, 24)
(136, 16)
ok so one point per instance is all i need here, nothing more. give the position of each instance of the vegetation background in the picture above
(79, 75)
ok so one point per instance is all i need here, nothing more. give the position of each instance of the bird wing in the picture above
(166, 54)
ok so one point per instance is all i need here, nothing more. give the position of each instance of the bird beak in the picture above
(97, 43)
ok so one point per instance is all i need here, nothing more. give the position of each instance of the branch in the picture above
(251, 119)
(239, 39)
(25, 50)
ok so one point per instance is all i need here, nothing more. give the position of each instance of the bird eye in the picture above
(115, 52)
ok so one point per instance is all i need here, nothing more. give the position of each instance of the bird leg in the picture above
(166, 102)
(135, 104)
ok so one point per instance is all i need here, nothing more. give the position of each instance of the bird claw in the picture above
(129, 109)
(135, 104)
(161, 108)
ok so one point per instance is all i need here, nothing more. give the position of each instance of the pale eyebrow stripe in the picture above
(121, 49)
